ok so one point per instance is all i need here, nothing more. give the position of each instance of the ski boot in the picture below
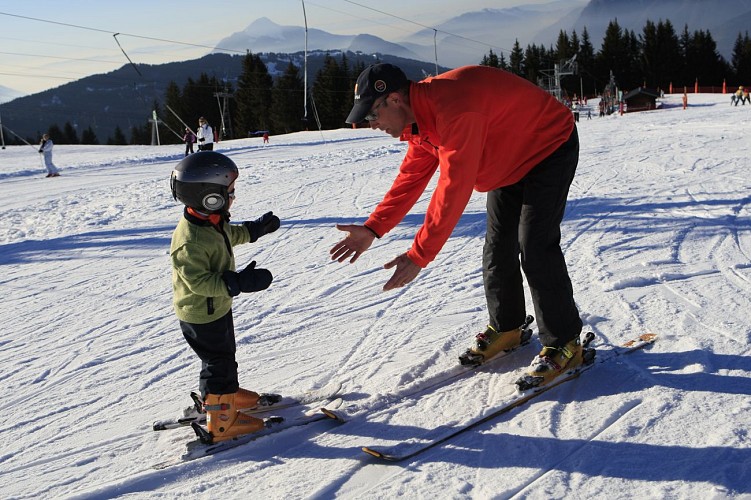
(490, 343)
(245, 400)
(224, 421)
(555, 361)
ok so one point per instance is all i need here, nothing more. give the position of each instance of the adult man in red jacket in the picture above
(494, 132)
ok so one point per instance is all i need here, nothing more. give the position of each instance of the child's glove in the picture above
(265, 224)
(248, 280)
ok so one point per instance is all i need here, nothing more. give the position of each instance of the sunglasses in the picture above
(373, 115)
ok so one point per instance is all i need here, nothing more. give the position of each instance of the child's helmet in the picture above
(200, 181)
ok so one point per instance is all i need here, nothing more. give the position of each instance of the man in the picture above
(497, 133)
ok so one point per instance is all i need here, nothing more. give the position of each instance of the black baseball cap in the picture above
(373, 82)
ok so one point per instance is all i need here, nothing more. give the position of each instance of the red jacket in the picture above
(486, 128)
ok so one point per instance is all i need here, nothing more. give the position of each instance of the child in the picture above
(189, 138)
(204, 281)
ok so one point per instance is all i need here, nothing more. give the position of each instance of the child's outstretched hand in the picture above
(265, 224)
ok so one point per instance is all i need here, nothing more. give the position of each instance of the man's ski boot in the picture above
(224, 421)
(555, 361)
(490, 343)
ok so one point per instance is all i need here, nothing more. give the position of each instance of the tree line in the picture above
(655, 58)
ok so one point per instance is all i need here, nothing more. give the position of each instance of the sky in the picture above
(37, 55)
(657, 238)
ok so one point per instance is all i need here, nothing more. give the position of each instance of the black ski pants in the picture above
(524, 233)
(214, 343)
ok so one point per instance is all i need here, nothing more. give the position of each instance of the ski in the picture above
(196, 449)
(440, 379)
(323, 394)
(410, 448)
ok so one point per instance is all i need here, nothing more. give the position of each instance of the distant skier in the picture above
(189, 138)
(205, 135)
(522, 148)
(204, 281)
(45, 149)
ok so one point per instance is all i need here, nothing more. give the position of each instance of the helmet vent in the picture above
(213, 202)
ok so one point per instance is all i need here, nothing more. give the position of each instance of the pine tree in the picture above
(330, 92)
(585, 63)
(88, 136)
(56, 134)
(253, 96)
(516, 59)
(741, 59)
(118, 138)
(702, 61)
(613, 55)
(287, 102)
(69, 134)
(563, 49)
(534, 61)
(668, 55)
(173, 99)
(502, 62)
(199, 100)
(490, 59)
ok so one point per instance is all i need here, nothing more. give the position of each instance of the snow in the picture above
(657, 237)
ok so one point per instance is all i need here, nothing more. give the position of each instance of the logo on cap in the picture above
(379, 85)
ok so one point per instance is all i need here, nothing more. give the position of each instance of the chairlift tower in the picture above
(552, 80)
(155, 129)
(224, 111)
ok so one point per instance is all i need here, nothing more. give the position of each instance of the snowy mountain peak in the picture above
(264, 26)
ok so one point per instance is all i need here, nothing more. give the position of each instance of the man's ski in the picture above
(440, 379)
(323, 394)
(195, 449)
(410, 448)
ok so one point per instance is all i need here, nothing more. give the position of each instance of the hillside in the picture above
(124, 98)
(657, 237)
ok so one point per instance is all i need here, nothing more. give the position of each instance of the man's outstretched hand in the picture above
(359, 239)
(405, 272)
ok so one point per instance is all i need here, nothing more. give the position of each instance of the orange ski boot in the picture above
(224, 421)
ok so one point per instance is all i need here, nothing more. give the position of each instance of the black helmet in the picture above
(200, 181)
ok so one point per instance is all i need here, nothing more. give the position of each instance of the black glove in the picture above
(249, 279)
(41, 151)
(265, 224)
(201, 139)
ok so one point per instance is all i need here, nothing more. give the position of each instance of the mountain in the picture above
(8, 94)
(123, 98)
(263, 35)
(497, 28)
(466, 38)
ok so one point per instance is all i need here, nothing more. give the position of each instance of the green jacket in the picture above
(200, 253)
